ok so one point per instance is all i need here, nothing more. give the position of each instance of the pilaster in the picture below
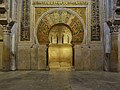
(119, 49)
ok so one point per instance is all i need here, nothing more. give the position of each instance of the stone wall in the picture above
(86, 57)
(31, 58)
(87, 54)
(34, 59)
(1, 46)
(23, 58)
(89, 57)
(114, 52)
(1, 49)
(42, 57)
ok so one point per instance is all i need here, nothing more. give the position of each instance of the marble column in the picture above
(13, 66)
(119, 49)
(6, 49)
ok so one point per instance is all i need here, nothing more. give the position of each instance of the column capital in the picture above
(115, 28)
(6, 29)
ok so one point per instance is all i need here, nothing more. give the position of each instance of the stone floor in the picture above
(59, 80)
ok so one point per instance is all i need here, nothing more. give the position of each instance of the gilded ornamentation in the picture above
(81, 11)
(65, 15)
(60, 16)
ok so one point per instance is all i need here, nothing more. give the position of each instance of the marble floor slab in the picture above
(59, 80)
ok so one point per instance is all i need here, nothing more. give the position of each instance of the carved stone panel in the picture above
(95, 21)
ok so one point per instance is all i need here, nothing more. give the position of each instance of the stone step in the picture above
(60, 66)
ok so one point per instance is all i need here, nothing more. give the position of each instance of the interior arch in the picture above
(60, 47)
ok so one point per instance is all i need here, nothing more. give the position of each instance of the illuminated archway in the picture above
(60, 47)
(60, 34)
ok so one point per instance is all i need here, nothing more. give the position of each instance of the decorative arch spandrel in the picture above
(76, 23)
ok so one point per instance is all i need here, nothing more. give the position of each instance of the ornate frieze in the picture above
(3, 13)
(95, 21)
(25, 21)
(59, 3)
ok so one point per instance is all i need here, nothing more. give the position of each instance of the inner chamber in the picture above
(60, 48)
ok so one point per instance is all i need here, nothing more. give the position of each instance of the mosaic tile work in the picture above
(25, 21)
(95, 26)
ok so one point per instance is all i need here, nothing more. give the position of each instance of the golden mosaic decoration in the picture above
(81, 11)
(59, 16)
